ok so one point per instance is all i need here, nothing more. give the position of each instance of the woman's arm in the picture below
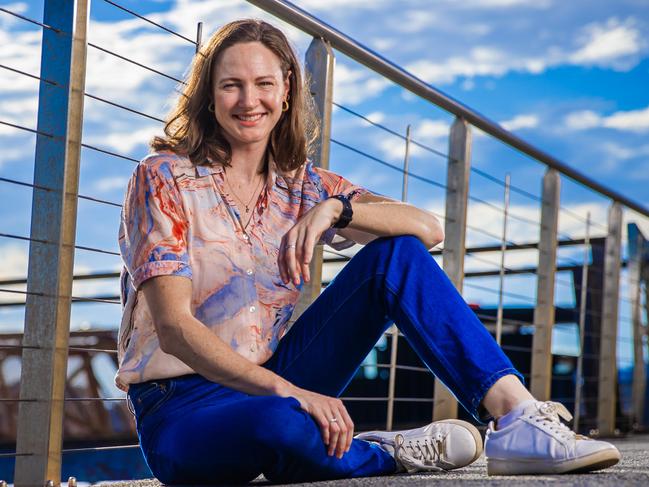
(180, 334)
(374, 216)
(378, 216)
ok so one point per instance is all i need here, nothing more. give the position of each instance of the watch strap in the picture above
(347, 213)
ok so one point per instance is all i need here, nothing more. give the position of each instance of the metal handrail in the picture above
(309, 24)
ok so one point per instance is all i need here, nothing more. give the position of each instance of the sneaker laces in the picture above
(550, 415)
(417, 456)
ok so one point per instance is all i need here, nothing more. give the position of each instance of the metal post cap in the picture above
(49, 483)
(3, 483)
(72, 482)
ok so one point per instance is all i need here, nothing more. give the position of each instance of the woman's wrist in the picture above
(283, 388)
(336, 208)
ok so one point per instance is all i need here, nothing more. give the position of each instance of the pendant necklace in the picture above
(246, 205)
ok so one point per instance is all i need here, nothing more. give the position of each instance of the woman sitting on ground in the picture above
(218, 229)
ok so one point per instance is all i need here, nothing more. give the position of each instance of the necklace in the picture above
(246, 205)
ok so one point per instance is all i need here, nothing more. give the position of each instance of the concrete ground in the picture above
(632, 470)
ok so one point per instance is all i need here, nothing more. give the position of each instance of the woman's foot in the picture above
(442, 445)
(533, 440)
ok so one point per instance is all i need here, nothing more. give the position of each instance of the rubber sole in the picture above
(595, 461)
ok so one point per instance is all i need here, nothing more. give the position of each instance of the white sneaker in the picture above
(537, 442)
(442, 445)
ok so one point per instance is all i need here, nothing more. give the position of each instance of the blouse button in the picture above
(245, 236)
(249, 272)
(252, 309)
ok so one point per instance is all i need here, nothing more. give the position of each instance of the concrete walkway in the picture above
(632, 470)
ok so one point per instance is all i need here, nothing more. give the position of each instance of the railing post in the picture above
(457, 193)
(501, 274)
(319, 69)
(541, 371)
(583, 298)
(394, 331)
(607, 388)
(636, 259)
(51, 251)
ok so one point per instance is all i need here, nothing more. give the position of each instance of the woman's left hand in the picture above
(296, 247)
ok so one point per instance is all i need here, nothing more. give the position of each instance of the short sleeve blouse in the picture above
(179, 219)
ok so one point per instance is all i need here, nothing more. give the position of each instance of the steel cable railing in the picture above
(391, 131)
(387, 164)
(166, 29)
(131, 61)
(32, 21)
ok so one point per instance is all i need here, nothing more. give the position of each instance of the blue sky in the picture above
(570, 77)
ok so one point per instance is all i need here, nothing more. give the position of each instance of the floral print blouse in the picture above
(179, 219)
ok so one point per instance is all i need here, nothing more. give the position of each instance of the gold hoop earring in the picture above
(285, 106)
(210, 107)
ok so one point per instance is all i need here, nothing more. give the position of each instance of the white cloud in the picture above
(9, 20)
(124, 142)
(632, 120)
(611, 44)
(16, 7)
(502, 4)
(376, 117)
(428, 129)
(354, 85)
(620, 152)
(629, 121)
(20, 111)
(337, 5)
(107, 184)
(392, 148)
(425, 131)
(23, 152)
(521, 122)
(14, 261)
(383, 44)
(582, 120)
(468, 84)
(416, 21)
(481, 61)
(607, 44)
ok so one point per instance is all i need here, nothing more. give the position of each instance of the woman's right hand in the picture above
(337, 435)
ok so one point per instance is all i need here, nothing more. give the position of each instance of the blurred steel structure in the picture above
(48, 297)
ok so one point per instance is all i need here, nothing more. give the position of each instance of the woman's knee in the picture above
(398, 249)
(280, 421)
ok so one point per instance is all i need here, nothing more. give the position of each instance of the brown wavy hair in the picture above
(191, 128)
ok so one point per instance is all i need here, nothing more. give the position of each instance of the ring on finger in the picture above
(290, 246)
(333, 420)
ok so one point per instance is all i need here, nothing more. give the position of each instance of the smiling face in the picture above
(248, 91)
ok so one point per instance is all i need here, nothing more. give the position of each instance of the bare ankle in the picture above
(507, 393)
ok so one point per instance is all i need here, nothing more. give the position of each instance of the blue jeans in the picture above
(192, 430)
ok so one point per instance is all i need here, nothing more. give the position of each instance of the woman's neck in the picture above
(247, 162)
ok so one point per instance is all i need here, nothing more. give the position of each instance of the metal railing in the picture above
(48, 296)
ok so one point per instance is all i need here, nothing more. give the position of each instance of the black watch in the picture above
(347, 213)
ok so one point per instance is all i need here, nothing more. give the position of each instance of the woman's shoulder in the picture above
(165, 162)
(306, 171)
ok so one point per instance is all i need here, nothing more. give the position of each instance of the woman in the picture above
(218, 229)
